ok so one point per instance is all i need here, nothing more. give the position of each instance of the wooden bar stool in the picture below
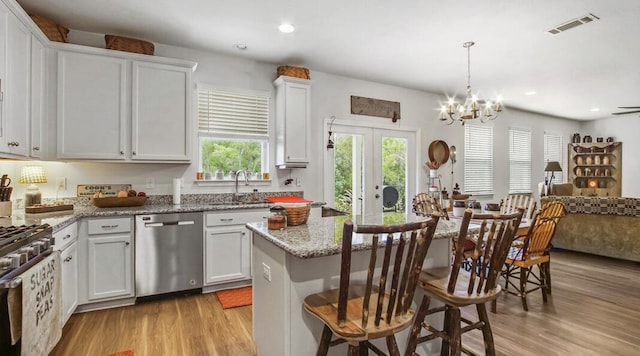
(532, 251)
(357, 312)
(425, 205)
(457, 288)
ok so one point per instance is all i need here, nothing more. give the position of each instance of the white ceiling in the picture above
(409, 43)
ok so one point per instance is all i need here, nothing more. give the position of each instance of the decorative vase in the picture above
(575, 138)
(587, 139)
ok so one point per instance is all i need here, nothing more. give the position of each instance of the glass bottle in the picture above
(277, 219)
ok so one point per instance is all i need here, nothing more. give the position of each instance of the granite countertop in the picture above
(59, 220)
(323, 236)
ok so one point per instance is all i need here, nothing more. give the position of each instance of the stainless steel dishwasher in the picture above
(168, 253)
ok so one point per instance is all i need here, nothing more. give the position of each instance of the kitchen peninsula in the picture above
(290, 264)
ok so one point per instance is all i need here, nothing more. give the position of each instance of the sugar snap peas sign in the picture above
(375, 107)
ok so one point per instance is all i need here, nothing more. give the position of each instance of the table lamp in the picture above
(32, 175)
(552, 166)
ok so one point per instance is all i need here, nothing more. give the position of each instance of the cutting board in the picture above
(287, 199)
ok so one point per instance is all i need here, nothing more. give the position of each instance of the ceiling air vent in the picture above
(573, 23)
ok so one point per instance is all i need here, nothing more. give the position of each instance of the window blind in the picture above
(221, 112)
(519, 161)
(553, 151)
(478, 160)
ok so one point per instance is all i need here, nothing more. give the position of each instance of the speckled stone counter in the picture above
(59, 220)
(322, 236)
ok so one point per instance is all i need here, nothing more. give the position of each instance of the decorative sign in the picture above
(109, 190)
(375, 107)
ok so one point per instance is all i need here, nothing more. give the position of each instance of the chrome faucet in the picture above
(236, 193)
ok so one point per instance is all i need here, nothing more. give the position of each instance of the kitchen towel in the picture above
(176, 191)
(41, 307)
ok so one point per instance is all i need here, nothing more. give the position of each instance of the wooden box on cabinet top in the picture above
(595, 169)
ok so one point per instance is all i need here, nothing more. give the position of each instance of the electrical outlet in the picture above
(266, 272)
(151, 183)
(62, 183)
(298, 182)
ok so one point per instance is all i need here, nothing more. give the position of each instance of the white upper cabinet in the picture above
(160, 112)
(293, 112)
(115, 106)
(38, 85)
(16, 100)
(92, 96)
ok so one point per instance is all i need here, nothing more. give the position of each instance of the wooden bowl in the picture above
(438, 152)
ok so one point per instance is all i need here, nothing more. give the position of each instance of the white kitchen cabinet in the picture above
(161, 112)
(293, 113)
(66, 241)
(114, 106)
(106, 263)
(69, 272)
(15, 135)
(92, 94)
(38, 85)
(227, 255)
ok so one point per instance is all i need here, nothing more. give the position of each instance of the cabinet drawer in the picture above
(65, 236)
(109, 226)
(234, 217)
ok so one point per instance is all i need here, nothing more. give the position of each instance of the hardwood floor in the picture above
(594, 310)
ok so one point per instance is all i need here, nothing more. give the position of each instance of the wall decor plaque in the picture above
(109, 190)
(375, 107)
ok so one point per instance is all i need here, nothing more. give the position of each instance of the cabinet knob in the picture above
(68, 259)
(127, 243)
(133, 153)
(66, 236)
(121, 152)
(17, 144)
(36, 148)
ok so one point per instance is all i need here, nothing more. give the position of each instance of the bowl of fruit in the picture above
(123, 199)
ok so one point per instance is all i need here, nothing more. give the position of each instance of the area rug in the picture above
(122, 353)
(232, 298)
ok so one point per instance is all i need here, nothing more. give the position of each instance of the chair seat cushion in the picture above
(435, 281)
(324, 306)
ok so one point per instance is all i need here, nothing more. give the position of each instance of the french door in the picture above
(370, 170)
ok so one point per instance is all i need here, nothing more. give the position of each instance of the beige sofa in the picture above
(606, 226)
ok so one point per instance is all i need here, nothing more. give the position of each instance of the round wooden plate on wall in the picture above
(438, 152)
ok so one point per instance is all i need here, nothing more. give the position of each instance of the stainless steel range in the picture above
(21, 247)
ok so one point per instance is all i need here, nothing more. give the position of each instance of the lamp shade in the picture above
(32, 174)
(553, 166)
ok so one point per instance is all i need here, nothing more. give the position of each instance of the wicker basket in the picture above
(115, 202)
(52, 30)
(291, 71)
(297, 214)
(126, 44)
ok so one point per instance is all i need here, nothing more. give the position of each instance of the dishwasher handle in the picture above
(169, 223)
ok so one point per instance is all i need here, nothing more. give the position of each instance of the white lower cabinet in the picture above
(69, 259)
(66, 241)
(227, 255)
(106, 268)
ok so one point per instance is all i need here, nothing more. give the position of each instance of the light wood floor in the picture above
(594, 310)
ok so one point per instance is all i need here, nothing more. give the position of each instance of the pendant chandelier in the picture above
(472, 108)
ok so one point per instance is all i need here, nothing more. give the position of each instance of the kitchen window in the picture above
(478, 160)
(519, 161)
(233, 131)
(553, 151)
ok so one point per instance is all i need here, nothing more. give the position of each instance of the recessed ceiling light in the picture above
(530, 92)
(241, 46)
(286, 28)
(595, 109)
